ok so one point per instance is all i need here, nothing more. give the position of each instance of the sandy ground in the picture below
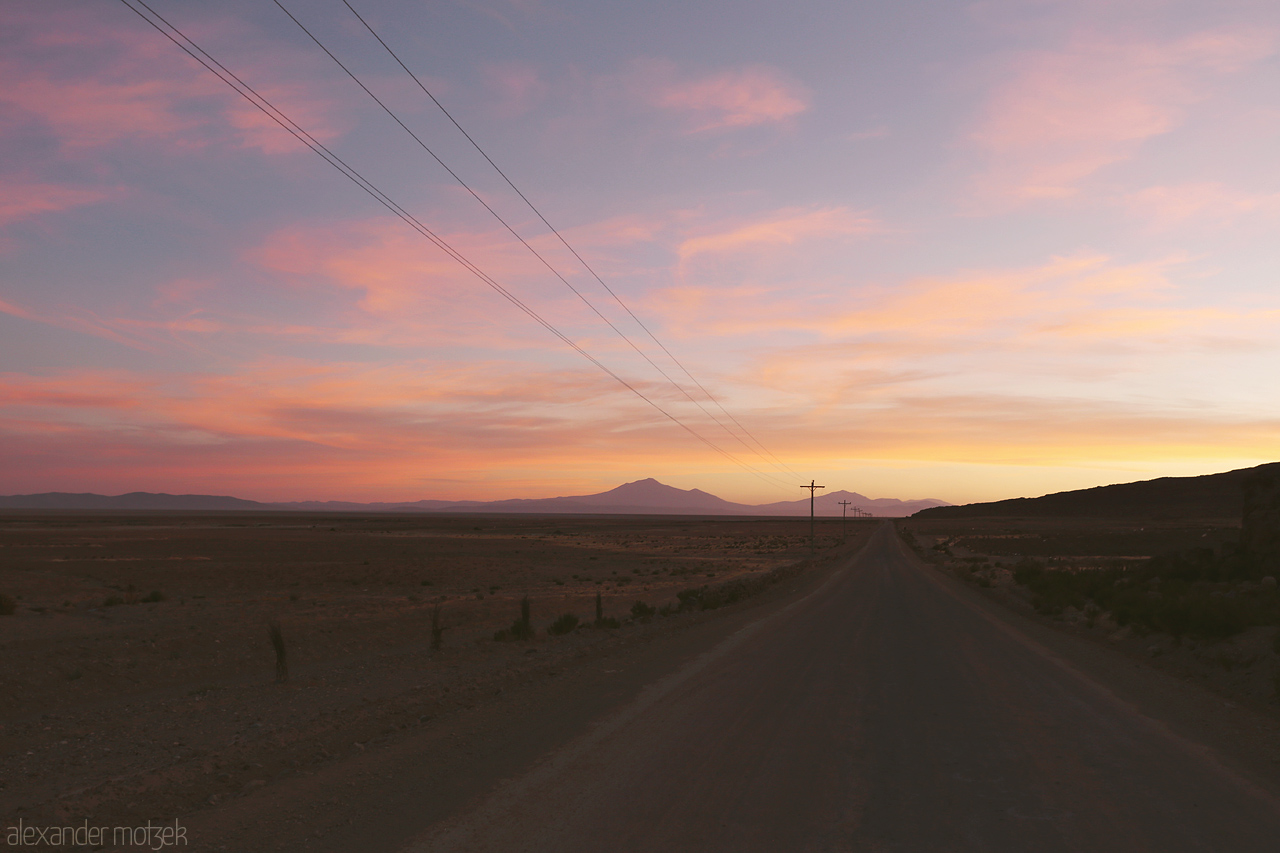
(140, 679)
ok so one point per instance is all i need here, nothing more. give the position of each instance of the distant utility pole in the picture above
(844, 518)
(812, 488)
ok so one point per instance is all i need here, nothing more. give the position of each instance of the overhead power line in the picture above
(189, 47)
(417, 80)
(766, 455)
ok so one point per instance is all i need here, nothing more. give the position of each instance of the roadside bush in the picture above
(7, 605)
(640, 610)
(521, 629)
(563, 625)
(1169, 595)
(437, 629)
(518, 631)
(156, 595)
(691, 599)
(277, 643)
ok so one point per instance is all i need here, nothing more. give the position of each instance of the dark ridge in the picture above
(643, 497)
(1207, 496)
(133, 500)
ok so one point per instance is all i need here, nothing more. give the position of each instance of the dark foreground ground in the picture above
(867, 702)
(137, 680)
(887, 709)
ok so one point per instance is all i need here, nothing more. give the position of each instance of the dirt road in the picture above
(885, 710)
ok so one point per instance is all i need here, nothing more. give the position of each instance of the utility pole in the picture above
(812, 489)
(844, 519)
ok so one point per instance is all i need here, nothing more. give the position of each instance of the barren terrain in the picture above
(139, 677)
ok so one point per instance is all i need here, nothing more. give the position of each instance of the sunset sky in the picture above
(964, 251)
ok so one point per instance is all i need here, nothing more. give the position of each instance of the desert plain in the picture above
(140, 680)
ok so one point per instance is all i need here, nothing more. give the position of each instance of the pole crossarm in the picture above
(812, 490)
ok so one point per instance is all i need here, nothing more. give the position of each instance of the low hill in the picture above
(826, 505)
(642, 497)
(1208, 496)
(131, 501)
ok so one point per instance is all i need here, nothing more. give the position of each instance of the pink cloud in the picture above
(746, 261)
(27, 199)
(518, 88)
(1064, 115)
(738, 98)
(78, 321)
(1205, 203)
(128, 83)
(386, 284)
(84, 113)
(785, 227)
(392, 269)
(1065, 304)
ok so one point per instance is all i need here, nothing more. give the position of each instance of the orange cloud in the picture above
(1067, 114)
(336, 430)
(288, 431)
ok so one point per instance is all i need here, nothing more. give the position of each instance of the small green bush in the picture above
(7, 605)
(563, 625)
(113, 601)
(157, 595)
(640, 610)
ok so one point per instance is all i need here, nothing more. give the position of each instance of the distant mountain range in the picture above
(1208, 496)
(643, 497)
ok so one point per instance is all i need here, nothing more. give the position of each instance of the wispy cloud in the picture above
(1206, 203)
(24, 199)
(728, 99)
(129, 85)
(1067, 303)
(1063, 115)
(786, 227)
